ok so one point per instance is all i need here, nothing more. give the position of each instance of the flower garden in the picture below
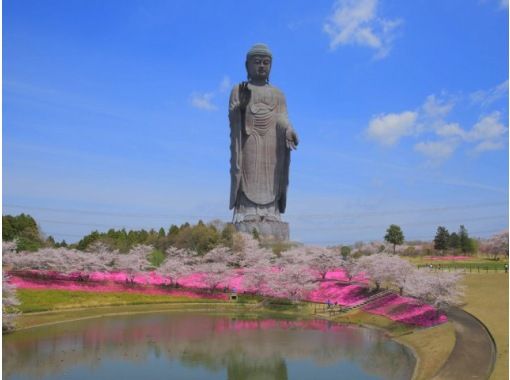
(334, 289)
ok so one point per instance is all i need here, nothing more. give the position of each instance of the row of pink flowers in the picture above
(335, 289)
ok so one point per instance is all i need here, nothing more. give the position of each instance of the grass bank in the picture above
(37, 300)
(473, 262)
(487, 299)
(432, 346)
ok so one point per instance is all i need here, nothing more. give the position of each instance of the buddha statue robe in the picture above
(259, 165)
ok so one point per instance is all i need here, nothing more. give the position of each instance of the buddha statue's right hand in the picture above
(244, 95)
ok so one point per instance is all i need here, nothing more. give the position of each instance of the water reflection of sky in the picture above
(198, 346)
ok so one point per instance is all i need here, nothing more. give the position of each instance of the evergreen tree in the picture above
(345, 251)
(464, 241)
(442, 239)
(454, 241)
(23, 228)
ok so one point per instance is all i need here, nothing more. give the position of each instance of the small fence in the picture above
(467, 268)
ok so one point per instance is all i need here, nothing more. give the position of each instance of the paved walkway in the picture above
(474, 353)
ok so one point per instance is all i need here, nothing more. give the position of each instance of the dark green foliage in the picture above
(278, 246)
(63, 243)
(466, 244)
(227, 235)
(454, 241)
(23, 228)
(89, 239)
(394, 235)
(441, 239)
(255, 234)
(173, 230)
(27, 244)
(199, 238)
(156, 257)
(345, 251)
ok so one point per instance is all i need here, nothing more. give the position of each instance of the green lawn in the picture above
(37, 300)
(472, 265)
(487, 299)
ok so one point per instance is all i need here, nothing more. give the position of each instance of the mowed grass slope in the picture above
(37, 300)
(487, 299)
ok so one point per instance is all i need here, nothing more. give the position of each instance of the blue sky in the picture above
(115, 113)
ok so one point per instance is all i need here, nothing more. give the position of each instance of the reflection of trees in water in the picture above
(249, 349)
(242, 366)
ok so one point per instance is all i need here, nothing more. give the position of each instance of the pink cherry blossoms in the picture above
(300, 273)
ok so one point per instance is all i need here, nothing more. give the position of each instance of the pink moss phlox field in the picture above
(335, 289)
(342, 294)
(448, 258)
(107, 287)
(406, 310)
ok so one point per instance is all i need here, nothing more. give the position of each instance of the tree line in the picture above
(199, 238)
(202, 237)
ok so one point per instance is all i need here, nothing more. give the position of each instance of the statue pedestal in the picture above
(269, 228)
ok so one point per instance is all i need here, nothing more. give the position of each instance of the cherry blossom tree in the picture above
(60, 260)
(385, 270)
(349, 267)
(213, 274)
(375, 268)
(8, 254)
(322, 260)
(294, 256)
(219, 255)
(134, 262)
(496, 245)
(9, 303)
(440, 289)
(403, 272)
(248, 252)
(178, 263)
(293, 281)
(258, 276)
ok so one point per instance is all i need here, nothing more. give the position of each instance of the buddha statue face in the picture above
(258, 67)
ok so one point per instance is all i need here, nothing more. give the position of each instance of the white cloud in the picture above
(451, 130)
(203, 101)
(430, 119)
(488, 145)
(486, 97)
(388, 129)
(436, 151)
(488, 128)
(356, 22)
(225, 84)
(437, 108)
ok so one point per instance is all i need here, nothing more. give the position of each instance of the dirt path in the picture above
(474, 353)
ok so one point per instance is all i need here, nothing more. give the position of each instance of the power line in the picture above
(104, 213)
(407, 211)
(421, 238)
(343, 226)
(329, 215)
(351, 227)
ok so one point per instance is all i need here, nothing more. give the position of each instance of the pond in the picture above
(203, 346)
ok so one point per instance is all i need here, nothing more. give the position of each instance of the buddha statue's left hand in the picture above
(291, 139)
